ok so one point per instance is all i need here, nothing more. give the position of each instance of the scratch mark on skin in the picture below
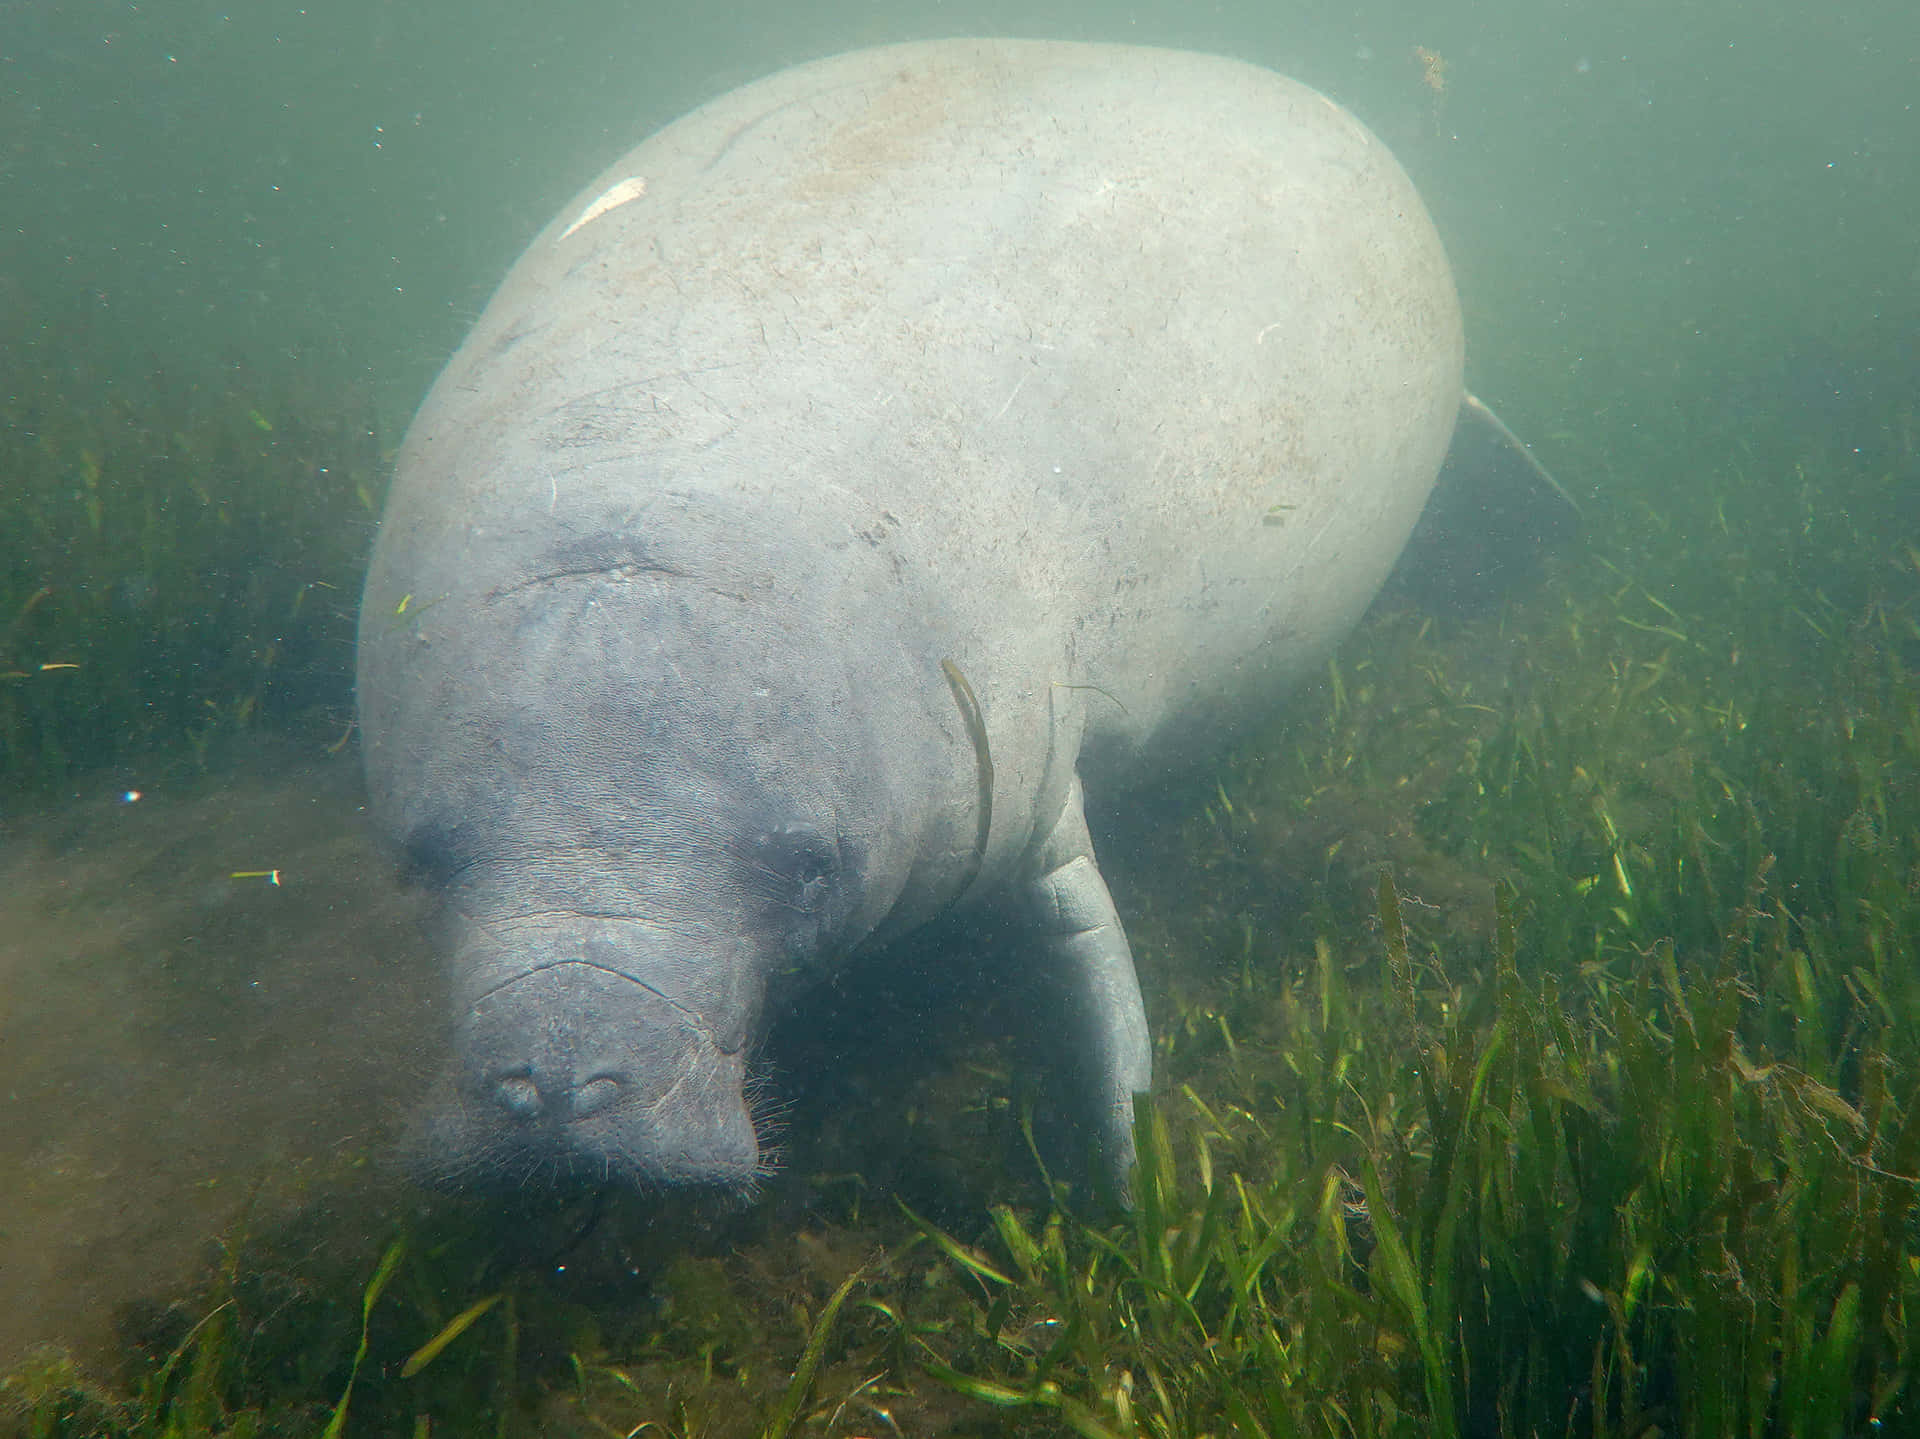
(1010, 398)
(580, 402)
(613, 198)
(625, 570)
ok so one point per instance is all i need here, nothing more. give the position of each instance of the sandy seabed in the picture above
(185, 1052)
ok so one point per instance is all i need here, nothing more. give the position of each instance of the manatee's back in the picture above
(1125, 368)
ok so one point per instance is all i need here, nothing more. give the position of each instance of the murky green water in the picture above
(238, 244)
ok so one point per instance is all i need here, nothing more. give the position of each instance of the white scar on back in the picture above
(612, 199)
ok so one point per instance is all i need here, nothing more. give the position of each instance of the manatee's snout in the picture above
(529, 1093)
(576, 1071)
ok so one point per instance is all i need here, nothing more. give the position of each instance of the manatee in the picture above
(860, 471)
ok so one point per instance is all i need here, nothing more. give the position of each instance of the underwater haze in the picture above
(1627, 190)
(1535, 1001)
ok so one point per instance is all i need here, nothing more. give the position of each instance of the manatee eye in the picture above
(798, 863)
(433, 852)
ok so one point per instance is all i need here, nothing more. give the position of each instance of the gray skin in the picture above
(1108, 381)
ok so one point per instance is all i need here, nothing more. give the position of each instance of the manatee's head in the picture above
(651, 795)
(606, 1001)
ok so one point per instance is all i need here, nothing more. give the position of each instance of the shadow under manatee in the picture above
(911, 1072)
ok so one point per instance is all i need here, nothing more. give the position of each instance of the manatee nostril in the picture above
(595, 1095)
(519, 1096)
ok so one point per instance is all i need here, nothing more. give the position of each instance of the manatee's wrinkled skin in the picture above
(1105, 382)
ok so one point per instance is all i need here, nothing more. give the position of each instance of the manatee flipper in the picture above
(1109, 1050)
